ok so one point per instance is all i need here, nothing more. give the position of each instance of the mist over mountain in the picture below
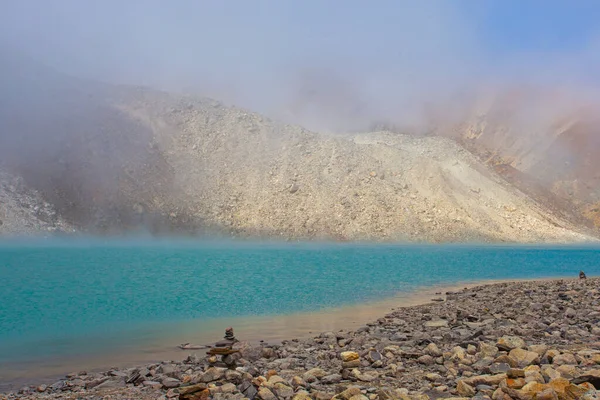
(410, 131)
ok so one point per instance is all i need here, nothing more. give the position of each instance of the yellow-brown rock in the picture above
(515, 383)
(465, 389)
(347, 356)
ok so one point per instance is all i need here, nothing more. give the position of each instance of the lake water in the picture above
(67, 303)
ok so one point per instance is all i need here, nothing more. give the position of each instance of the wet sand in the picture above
(271, 329)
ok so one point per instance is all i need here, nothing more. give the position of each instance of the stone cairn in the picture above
(224, 348)
(582, 275)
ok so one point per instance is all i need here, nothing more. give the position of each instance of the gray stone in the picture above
(438, 323)
(152, 384)
(112, 384)
(333, 378)
(426, 360)
(170, 383)
(213, 374)
(248, 389)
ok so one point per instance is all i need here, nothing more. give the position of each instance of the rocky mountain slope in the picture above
(545, 143)
(116, 158)
(24, 211)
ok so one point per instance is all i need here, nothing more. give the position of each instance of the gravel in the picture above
(493, 346)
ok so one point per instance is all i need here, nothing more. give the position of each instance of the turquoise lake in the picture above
(86, 298)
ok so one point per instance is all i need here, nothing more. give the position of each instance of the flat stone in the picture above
(152, 384)
(316, 372)
(515, 373)
(564, 359)
(351, 364)
(213, 374)
(541, 349)
(333, 378)
(591, 376)
(508, 343)
(191, 389)
(170, 383)
(492, 380)
(438, 323)
(498, 368)
(426, 360)
(568, 371)
(433, 377)
(515, 383)
(506, 359)
(230, 388)
(111, 384)
(273, 379)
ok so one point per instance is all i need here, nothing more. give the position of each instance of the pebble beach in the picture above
(509, 340)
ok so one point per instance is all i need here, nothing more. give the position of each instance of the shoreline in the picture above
(282, 328)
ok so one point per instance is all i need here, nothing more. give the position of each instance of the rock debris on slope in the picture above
(23, 211)
(140, 159)
(254, 176)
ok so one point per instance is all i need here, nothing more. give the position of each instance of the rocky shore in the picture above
(523, 340)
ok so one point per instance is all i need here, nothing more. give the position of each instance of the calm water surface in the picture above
(89, 298)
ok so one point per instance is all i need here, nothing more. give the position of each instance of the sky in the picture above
(329, 64)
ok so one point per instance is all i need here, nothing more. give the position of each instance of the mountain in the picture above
(23, 211)
(112, 159)
(545, 142)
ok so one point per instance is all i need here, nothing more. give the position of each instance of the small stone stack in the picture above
(224, 348)
(229, 334)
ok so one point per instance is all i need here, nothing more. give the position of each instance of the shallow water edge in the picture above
(271, 329)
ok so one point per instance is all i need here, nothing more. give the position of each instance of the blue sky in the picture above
(530, 25)
(336, 56)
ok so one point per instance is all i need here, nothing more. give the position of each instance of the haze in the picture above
(328, 65)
